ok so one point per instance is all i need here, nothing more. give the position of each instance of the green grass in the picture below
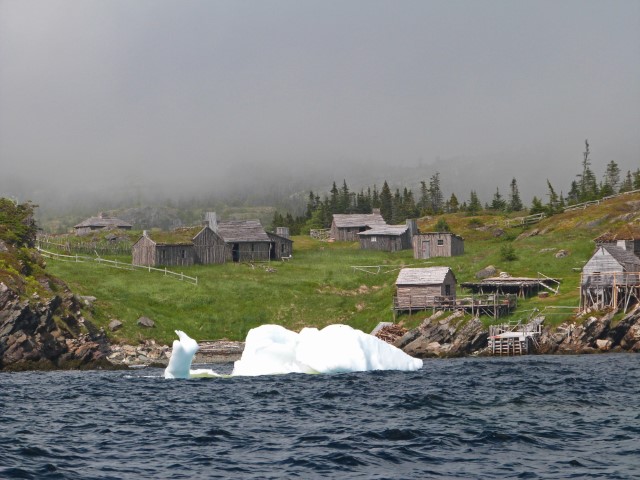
(318, 286)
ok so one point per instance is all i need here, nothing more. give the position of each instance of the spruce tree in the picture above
(386, 202)
(515, 203)
(454, 205)
(474, 206)
(498, 203)
(435, 194)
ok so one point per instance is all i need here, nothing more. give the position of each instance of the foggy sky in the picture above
(189, 96)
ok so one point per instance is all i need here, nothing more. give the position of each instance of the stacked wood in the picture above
(391, 333)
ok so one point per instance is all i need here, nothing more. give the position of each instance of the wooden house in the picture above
(388, 238)
(180, 247)
(345, 227)
(281, 246)
(421, 288)
(611, 278)
(100, 222)
(246, 240)
(437, 244)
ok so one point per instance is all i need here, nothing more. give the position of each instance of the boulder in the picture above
(146, 322)
(486, 272)
(562, 254)
(115, 325)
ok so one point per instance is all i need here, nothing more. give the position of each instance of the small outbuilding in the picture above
(388, 238)
(611, 277)
(246, 239)
(100, 222)
(437, 244)
(180, 247)
(421, 288)
(346, 227)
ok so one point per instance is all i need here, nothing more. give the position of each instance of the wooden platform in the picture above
(491, 305)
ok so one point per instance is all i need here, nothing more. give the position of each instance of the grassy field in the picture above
(319, 286)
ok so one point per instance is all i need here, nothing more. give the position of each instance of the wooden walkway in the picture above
(491, 305)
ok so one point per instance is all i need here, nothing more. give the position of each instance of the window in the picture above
(182, 254)
(440, 242)
(374, 239)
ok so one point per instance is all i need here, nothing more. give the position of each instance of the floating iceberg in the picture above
(272, 349)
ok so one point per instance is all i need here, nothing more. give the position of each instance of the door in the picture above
(235, 252)
(426, 248)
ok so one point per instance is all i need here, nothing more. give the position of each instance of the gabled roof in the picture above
(423, 276)
(393, 230)
(623, 257)
(103, 222)
(354, 220)
(238, 231)
(625, 232)
(441, 234)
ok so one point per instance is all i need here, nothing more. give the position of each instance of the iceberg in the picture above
(272, 350)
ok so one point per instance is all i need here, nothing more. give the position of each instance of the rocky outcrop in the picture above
(445, 334)
(41, 333)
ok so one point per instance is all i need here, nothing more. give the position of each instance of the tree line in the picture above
(401, 204)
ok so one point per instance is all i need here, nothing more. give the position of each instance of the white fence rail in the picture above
(116, 264)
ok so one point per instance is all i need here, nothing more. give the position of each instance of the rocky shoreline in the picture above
(51, 333)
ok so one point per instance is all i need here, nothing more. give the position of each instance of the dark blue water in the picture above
(528, 417)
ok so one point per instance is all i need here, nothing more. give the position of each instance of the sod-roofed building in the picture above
(101, 222)
(180, 247)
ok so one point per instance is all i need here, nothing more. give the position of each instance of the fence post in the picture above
(165, 271)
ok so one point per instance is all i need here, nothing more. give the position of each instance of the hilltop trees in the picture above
(515, 204)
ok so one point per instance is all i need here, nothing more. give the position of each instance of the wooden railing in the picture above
(115, 264)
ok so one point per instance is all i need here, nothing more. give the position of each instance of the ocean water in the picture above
(526, 417)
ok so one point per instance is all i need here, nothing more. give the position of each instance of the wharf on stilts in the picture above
(514, 338)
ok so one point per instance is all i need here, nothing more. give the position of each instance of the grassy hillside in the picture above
(320, 287)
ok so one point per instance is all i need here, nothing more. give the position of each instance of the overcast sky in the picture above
(184, 95)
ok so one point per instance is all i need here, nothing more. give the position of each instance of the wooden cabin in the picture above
(421, 288)
(100, 222)
(281, 246)
(437, 244)
(180, 247)
(611, 278)
(246, 240)
(345, 227)
(389, 238)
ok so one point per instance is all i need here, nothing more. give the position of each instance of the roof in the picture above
(179, 236)
(422, 276)
(238, 231)
(441, 233)
(275, 236)
(103, 222)
(623, 257)
(625, 232)
(395, 230)
(354, 220)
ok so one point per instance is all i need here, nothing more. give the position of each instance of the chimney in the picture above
(376, 210)
(211, 219)
(412, 225)
(282, 231)
(145, 233)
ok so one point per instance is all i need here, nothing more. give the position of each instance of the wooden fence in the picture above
(103, 248)
(115, 264)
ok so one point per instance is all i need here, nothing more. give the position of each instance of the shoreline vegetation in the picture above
(57, 314)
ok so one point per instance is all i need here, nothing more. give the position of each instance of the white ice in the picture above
(272, 349)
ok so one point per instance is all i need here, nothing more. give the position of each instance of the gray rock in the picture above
(562, 254)
(486, 272)
(115, 325)
(146, 322)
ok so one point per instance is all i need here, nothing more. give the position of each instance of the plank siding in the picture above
(209, 248)
(143, 252)
(281, 247)
(416, 295)
(426, 245)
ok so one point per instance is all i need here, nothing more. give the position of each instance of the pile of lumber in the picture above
(390, 333)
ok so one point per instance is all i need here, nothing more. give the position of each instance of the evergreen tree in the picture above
(574, 193)
(344, 201)
(636, 179)
(375, 198)
(442, 225)
(386, 202)
(334, 202)
(424, 203)
(454, 205)
(396, 208)
(498, 203)
(435, 194)
(474, 206)
(515, 204)
(536, 206)
(611, 178)
(627, 183)
(554, 202)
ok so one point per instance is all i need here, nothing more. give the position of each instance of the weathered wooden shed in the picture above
(388, 238)
(281, 246)
(246, 239)
(437, 244)
(180, 247)
(421, 288)
(101, 222)
(611, 278)
(345, 227)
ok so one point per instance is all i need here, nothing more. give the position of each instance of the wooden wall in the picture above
(175, 255)
(280, 246)
(209, 248)
(421, 296)
(426, 245)
(143, 252)
(248, 252)
(346, 234)
(387, 243)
